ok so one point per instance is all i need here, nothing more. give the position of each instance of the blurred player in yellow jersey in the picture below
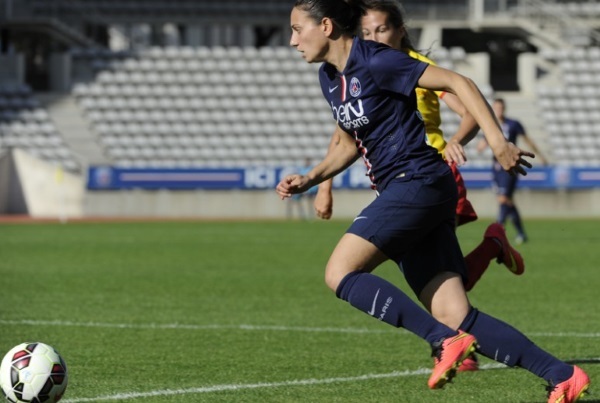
(384, 22)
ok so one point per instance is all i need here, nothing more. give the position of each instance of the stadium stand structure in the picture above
(26, 125)
(204, 83)
(224, 105)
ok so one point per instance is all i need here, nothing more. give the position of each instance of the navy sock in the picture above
(504, 211)
(516, 219)
(503, 343)
(386, 302)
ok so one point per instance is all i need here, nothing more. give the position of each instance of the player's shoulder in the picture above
(380, 56)
(370, 46)
(370, 49)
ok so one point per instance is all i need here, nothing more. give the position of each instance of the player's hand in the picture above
(323, 204)
(292, 184)
(454, 152)
(511, 158)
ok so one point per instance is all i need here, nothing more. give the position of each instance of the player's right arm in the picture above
(323, 203)
(338, 158)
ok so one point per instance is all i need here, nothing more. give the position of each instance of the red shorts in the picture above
(465, 213)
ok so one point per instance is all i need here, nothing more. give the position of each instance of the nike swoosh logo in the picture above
(360, 217)
(332, 89)
(372, 311)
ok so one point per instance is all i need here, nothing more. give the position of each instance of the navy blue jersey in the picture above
(512, 129)
(374, 100)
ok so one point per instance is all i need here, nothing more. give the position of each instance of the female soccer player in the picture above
(371, 91)
(505, 185)
(384, 23)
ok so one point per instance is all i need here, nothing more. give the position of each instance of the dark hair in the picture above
(345, 14)
(395, 13)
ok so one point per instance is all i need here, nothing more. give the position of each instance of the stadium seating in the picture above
(218, 106)
(571, 109)
(575, 9)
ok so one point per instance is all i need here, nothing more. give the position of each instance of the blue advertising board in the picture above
(115, 178)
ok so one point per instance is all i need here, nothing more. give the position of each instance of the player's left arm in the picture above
(508, 155)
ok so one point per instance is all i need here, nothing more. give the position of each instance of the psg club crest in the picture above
(355, 87)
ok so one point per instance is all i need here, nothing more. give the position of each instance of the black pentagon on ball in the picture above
(31, 347)
(47, 387)
(14, 376)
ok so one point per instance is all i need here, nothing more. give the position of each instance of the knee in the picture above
(332, 278)
(334, 274)
(451, 319)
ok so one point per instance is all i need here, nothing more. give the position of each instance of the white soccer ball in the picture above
(33, 373)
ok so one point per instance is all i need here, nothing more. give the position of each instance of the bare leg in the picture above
(351, 254)
(445, 297)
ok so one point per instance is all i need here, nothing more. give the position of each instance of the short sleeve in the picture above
(395, 71)
(520, 128)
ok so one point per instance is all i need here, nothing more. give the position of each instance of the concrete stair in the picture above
(69, 121)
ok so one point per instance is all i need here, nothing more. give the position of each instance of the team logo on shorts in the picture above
(355, 87)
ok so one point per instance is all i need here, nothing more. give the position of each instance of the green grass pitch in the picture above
(239, 312)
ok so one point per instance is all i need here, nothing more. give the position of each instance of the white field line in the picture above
(181, 326)
(243, 386)
(240, 387)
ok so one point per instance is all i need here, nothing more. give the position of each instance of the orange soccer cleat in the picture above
(570, 390)
(508, 256)
(448, 355)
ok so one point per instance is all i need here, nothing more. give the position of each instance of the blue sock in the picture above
(504, 211)
(386, 302)
(503, 343)
(516, 219)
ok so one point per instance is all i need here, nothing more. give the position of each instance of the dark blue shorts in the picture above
(413, 223)
(504, 183)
